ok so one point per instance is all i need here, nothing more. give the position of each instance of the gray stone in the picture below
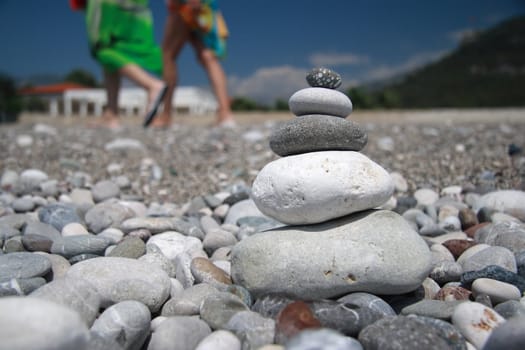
(252, 329)
(509, 336)
(7, 232)
(9, 179)
(439, 309)
(220, 340)
(16, 221)
(369, 301)
(401, 332)
(162, 224)
(508, 201)
(511, 308)
(127, 322)
(37, 243)
(172, 243)
(30, 179)
(75, 293)
(119, 279)
(43, 229)
(20, 286)
(218, 238)
(312, 133)
(96, 342)
(124, 144)
(344, 317)
(337, 183)
(183, 270)
(316, 100)
(23, 265)
(23, 205)
(497, 273)
(189, 301)
(156, 258)
(179, 333)
(446, 271)
(244, 208)
(58, 215)
(499, 256)
(14, 245)
(271, 305)
(59, 266)
(105, 189)
(326, 339)
(506, 234)
(445, 330)
(107, 214)
(323, 77)
(129, 247)
(217, 309)
(372, 251)
(37, 324)
(71, 246)
(497, 291)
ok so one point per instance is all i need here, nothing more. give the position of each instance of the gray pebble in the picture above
(323, 77)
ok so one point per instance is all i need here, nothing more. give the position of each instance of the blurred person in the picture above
(200, 23)
(121, 40)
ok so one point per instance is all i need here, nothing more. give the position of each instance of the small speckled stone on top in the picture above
(323, 77)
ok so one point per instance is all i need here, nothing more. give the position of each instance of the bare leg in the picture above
(144, 79)
(218, 82)
(110, 118)
(175, 36)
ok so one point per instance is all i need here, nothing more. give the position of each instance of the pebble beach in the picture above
(144, 239)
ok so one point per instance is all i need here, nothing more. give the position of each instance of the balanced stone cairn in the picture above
(328, 189)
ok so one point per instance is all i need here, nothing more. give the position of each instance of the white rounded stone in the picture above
(426, 196)
(34, 323)
(497, 291)
(318, 186)
(508, 201)
(476, 322)
(372, 251)
(220, 340)
(74, 229)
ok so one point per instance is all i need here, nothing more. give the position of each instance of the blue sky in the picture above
(272, 44)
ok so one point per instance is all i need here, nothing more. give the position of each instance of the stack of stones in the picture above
(327, 189)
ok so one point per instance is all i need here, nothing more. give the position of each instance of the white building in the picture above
(134, 100)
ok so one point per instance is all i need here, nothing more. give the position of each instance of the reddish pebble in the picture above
(453, 293)
(471, 231)
(458, 246)
(294, 318)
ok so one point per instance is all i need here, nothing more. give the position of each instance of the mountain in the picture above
(486, 70)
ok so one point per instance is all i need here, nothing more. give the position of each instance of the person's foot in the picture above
(162, 121)
(155, 97)
(107, 121)
(226, 123)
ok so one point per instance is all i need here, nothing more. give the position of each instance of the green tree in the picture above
(82, 77)
(388, 98)
(361, 99)
(244, 104)
(10, 104)
(280, 105)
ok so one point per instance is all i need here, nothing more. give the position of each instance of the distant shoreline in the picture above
(430, 116)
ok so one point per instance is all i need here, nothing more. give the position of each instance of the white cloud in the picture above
(270, 83)
(388, 71)
(336, 59)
